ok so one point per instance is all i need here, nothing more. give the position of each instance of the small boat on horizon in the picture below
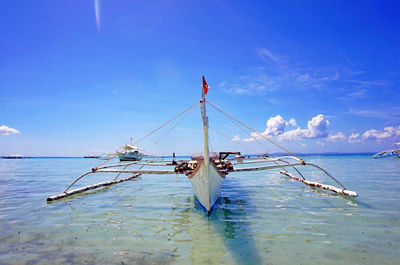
(15, 156)
(91, 156)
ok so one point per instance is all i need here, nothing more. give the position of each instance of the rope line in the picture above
(150, 133)
(245, 146)
(175, 145)
(248, 127)
(173, 127)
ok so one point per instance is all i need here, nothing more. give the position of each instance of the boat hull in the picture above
(129, 157)
(207, 192)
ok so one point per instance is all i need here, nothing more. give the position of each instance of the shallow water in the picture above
(260, 218)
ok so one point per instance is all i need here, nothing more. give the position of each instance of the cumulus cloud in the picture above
(336, 137)
(275, 126)
(317, 127)
(354, 138)
(387, 132)
(4, 130)
(291, 122)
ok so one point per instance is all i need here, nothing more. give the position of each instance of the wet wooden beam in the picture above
(266, 167)
(322, 186)
(91, 187)
(135, 171)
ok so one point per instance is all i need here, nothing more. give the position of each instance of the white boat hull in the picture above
(207, 192)
(130, 157)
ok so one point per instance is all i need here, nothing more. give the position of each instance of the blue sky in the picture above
(79, 77)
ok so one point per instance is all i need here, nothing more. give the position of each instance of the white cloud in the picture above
(369, 82)
(264, 53)
(317, 127)
(387, 132)
(273, 101)
(296, 134)
(281, 72)
(275, 126)
(258, 84)
(4, 130)
(354, 138)
(249, 139)
(357, 94)
(97, 13)
(291, 122)
(384, 113)
(304, 78)
(336, 137)
(236, 138)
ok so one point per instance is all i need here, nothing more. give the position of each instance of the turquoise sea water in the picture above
(261, 217)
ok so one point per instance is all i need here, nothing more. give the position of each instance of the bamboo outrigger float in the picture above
(207, 170)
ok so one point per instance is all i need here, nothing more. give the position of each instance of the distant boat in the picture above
(389, 153)
(15, 156)
(130, 153)
(91, 156)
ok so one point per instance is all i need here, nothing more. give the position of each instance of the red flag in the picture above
(205, 86)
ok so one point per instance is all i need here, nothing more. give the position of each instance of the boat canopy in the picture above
(130, 147)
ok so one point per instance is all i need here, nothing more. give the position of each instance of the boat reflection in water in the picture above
(225, 235)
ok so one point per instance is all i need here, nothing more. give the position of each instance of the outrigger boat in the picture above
(207, 170)
(130, 153)
(389, 153)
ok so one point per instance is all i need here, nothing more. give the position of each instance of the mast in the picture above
(205, 132)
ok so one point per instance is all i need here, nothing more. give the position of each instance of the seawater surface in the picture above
(260, 218)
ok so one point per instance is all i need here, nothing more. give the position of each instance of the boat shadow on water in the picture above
(230, 221)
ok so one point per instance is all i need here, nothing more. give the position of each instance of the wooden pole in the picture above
(322, 186)
(91, 187)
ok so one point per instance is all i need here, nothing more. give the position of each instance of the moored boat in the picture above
(130, 153)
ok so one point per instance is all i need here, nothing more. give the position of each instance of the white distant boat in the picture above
(91, 156)
(14, 156)
(130, 153)
(207, 170)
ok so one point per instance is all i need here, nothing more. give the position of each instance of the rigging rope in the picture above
(173, 127)
(240, 127)
(245, 146)
(181, 142)
(150, 133)
(248, 127)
